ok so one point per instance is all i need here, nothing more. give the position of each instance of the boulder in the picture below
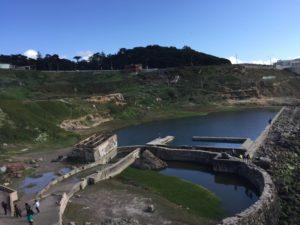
(148, 161)
(150, 208)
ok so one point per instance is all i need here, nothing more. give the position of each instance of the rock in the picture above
(3, 169)
(263, 162)
(120, 221)
(77, 196)
(88, 223)
(32, 161)
(148, 161)
(71, 223)
(40, 159)
(150, 208)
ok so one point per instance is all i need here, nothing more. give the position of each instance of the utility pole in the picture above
(236, 59)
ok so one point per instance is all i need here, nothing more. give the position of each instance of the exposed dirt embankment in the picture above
(84, 122)
(282, 146)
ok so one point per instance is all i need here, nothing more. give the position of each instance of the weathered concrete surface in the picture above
(161, 141)
(282, 147)
(252, 149)
(115, 168)
(238, 140)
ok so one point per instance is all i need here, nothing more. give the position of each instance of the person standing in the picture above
(37, 205)
(4, 206)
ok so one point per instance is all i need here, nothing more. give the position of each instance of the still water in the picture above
(248, 123)
(236, 193)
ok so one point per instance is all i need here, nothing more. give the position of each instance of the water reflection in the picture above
(35, 183)
(235, 192)
(248, 123)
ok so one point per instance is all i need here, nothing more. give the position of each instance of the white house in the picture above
(293, 65)
(6, 66)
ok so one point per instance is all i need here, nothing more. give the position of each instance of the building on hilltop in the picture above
(98, 147)
(134, 68)
(293, 65)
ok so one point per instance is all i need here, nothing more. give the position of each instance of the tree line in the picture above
(152, 56)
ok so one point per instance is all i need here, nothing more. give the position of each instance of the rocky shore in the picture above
(282, 148)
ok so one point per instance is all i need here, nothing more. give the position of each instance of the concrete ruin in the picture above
(98, 147)
(9, 196)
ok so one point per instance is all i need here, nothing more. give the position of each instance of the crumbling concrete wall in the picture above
(9, 196)
(114, 169)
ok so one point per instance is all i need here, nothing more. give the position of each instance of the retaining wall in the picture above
(251, 151)
(106, 173)
(265, 210)
(82, 168)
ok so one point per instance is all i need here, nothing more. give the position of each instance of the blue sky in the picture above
(251, 29)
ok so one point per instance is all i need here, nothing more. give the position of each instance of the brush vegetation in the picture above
(34, 103)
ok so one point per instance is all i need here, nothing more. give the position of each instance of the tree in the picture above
(77, 58)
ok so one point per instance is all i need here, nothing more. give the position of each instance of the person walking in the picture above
(30, 217)
(18, 212)
(37, 205)
(27, 208)
(4, 206)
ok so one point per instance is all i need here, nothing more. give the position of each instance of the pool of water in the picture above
(235, 192)
(246, 123)
(35, 183)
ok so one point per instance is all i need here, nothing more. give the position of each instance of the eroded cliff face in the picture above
(282, 146)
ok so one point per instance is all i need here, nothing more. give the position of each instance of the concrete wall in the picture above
(41, 193)
(9, 196)
(106, 173)
(252, 149)
(114, 169)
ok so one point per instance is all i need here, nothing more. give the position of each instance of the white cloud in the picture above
(265, 62)
(30, 53)
(234, 60)
(85, 55)
(259, 61)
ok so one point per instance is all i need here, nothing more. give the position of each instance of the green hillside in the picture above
(33, 103)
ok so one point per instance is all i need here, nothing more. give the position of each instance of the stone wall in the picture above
(265, 210)
(282, 149)
(252, 149)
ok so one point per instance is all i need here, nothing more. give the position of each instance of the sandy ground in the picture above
(113, 201)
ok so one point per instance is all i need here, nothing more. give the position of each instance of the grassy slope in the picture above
(31, 100)
(197, 199)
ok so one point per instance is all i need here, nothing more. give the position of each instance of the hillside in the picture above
(152, 56)
(34, 104)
